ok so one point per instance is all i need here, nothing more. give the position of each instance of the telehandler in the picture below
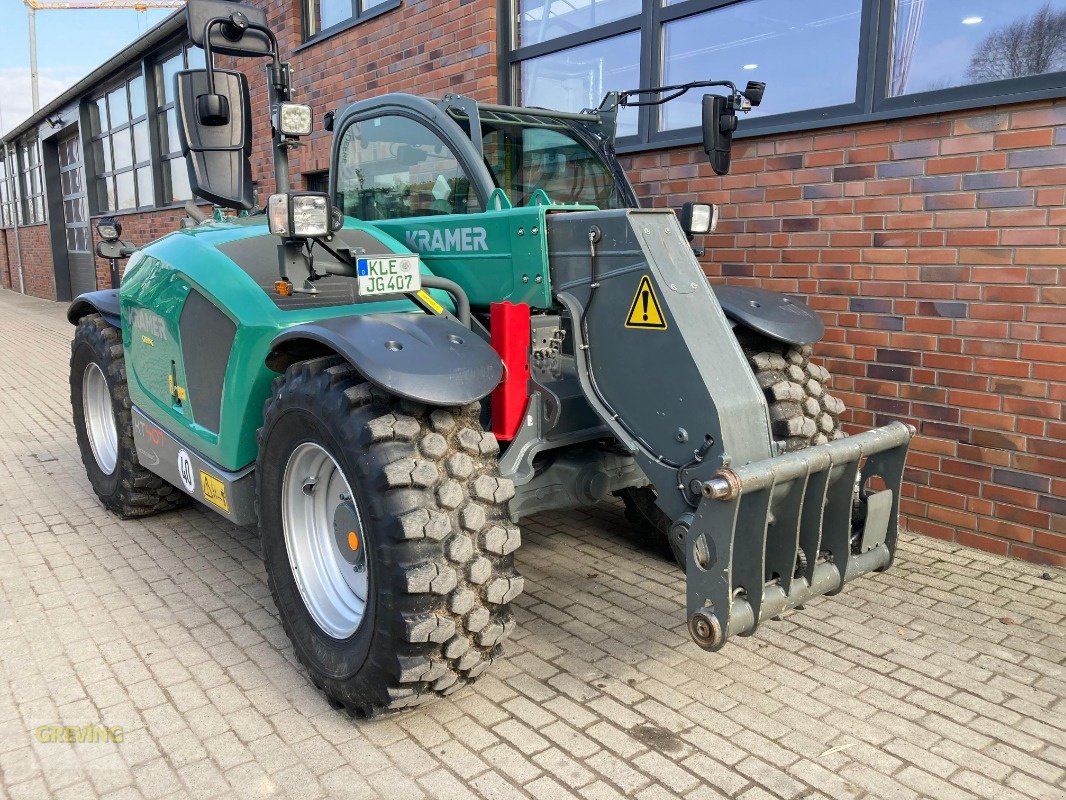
(477, 322)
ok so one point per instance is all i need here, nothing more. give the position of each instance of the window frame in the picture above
(872, 102)
(358, 17)
(158, 113)
(7, 193)
(105, 137)
(30, 203)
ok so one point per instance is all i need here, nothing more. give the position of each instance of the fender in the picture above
(770, 313)
(424, 358)
(104, 303)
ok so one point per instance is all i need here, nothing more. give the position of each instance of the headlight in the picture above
(294, 119)
(698, 218)
(299, 215)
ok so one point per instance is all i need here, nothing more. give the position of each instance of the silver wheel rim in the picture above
(320, 518)
(99, 418)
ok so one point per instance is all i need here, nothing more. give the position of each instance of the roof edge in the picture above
(168, 27)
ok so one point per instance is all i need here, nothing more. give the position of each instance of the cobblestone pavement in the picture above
(942, 678)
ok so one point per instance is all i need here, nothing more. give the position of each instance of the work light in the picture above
(299, 215)
(698, 218)
(294, 119)
(109, 229)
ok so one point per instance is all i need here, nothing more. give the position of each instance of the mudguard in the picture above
(771, 313)
(104, 303)
(419, 357)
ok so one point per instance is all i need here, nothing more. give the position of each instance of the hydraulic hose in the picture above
(462, 301)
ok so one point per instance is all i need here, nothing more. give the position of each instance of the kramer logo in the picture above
(149, 322)
(453, 240)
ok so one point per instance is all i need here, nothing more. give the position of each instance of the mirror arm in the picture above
(675, 91)
(251, 26)
(279, 83)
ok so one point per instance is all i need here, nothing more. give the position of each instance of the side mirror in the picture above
(719, 122)
(215, 131)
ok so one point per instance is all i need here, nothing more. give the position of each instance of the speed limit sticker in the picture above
(185, 471)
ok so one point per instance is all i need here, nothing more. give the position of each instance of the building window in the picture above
(7, 195)
(719, 43)
(936, 46)
(121, 153)
(31, 181)
(324, 17)
(579, 77)
(541, 20)
(174, 171)
(825, 62)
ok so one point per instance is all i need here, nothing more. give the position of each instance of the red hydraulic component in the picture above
(509, 336)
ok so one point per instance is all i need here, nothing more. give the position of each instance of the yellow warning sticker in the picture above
(429, 301)
(646, 312)
(214, 491)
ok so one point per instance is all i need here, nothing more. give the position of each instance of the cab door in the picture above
(394, 166)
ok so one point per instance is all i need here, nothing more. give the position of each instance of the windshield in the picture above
(524, 157)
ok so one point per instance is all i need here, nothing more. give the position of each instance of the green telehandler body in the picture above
(475, 323)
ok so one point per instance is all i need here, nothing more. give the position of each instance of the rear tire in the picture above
(439, 546)
(802, 413)
(103, 423)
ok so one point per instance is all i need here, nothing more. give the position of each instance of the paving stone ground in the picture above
(942, 678)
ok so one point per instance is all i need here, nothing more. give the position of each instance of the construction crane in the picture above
(33, 6)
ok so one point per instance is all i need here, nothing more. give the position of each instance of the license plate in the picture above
(387, 275)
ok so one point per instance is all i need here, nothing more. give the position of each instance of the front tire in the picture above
(103, 424)
(802, 413)
(437, 546)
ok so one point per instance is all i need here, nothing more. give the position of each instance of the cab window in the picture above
(524, 159)
(392, 166)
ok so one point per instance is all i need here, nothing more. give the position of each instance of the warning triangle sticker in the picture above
(646, 312)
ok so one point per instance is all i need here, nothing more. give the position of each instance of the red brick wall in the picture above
(933, 249)
(429, 48)
(36, 250)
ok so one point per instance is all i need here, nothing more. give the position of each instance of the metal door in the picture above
(80, 261)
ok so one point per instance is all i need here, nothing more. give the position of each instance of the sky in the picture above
(70, 44)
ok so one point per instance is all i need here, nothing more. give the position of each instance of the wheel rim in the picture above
(325, 540)
(99, 417)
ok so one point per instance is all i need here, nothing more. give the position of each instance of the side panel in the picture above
(494, 255)
(152, 300)
(231, 494)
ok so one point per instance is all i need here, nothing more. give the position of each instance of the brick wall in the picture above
(933, 249)
(428, 48)
(37, 270)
